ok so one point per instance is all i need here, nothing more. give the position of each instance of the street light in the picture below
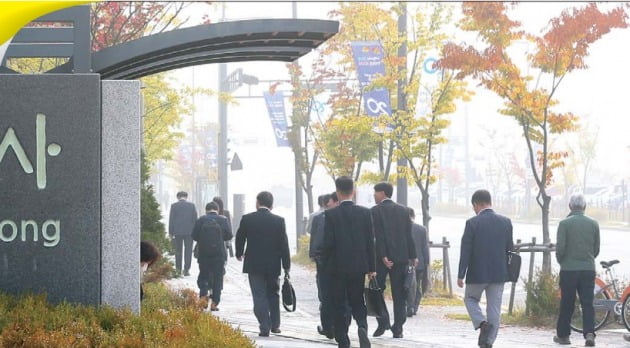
(227, 84)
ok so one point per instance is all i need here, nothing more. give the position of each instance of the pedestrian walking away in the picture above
(262, 245)
(419, 234)
(181, 222)
(577, 246)
(348, 255)
(224, 212)
(395, 252)
(322, 278)
(483, 263)
(210, 232)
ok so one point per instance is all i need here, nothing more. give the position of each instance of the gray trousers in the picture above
(266, 300)
(494, 294)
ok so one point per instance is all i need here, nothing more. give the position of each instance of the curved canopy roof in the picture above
(246, 40)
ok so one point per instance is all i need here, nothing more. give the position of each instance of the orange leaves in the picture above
(560, 122)
(565, 45)
(468, 61)
(554, 160)
(491, 21)
(560, 50)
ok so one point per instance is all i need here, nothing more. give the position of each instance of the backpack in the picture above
(210, 241)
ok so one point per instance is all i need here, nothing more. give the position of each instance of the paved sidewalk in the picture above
(429, 328)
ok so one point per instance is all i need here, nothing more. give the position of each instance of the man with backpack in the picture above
(210, 232)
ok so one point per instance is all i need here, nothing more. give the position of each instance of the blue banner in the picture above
(368, 58)
(278, 117)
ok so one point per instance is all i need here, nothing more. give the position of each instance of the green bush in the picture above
(168, 319)
(543, 295)
(542, 303)
(152, 228)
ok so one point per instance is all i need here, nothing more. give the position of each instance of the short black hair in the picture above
(182, 194)
(323, 199)
(212, 206)
(334, 197)
(481, 197)
(265, 199)
(344, 184)
(384, 187)
(412, 213)
(149, 253)
(219, 202)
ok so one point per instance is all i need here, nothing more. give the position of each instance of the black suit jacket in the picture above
(392, 229)
(348, 239)
(419, 234)
(317, 236)
(486, 241)
(267, 243)
(182, 218)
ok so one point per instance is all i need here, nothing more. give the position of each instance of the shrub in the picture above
(543, 295)
(168, 319)
(542, 303)
(152, 228)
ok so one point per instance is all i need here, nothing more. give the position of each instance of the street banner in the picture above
(368, 58)
(278, 117)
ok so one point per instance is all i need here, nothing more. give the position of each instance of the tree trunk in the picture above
(426, 216)
(309, 193)
(545, 225)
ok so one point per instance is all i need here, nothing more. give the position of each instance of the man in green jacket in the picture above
(577, 247)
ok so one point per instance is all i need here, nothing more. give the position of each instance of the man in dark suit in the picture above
(267, 248)
(483, 261)
(395, 251)
(210, 238)
(419, 234)
(181, 222)
(323, 278)
(348, 255)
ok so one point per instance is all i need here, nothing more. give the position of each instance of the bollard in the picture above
(444, 263)
(513, 288)
(447, 265)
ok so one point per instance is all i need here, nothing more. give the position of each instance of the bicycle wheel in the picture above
(601, 311)
(625, 313)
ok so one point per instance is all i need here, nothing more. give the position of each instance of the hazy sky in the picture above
(599, 94)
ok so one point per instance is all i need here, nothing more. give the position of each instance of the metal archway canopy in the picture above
(247, 40)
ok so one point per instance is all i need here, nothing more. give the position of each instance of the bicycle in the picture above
(604, 303)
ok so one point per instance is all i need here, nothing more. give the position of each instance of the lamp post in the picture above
(227, 84)
(401, 183)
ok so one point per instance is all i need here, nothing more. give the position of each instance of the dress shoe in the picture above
(214, 307)
(484, 332)
(276, 330)
(364, 341)
(380, 331)
(398, 335)
(561, 340)
(589, 340)
(263, 334)
(186, 273)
